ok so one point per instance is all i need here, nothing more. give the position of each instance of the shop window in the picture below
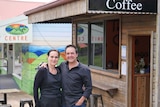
(4, 51)
(3, 58)
(96, 55)
(1, 51)
(18, 59)
(98, 44)
(82, 41)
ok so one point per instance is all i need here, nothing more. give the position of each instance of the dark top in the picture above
(73, 81)
(49, 85)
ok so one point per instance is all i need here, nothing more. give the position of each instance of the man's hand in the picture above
(80, 101)
(44, 64)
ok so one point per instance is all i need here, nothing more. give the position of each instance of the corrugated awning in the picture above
(117, 12)
(64, 11)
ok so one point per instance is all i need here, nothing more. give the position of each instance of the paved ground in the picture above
(7, 82)
(14, 98)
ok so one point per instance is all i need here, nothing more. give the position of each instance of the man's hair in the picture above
(73, 46)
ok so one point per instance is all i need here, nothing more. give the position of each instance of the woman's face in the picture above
(53, 58)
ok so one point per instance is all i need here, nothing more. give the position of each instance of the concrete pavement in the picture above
(7, 82)
(14, 98)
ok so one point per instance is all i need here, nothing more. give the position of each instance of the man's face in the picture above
(71, 54)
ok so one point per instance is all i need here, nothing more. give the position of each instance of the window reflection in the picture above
(3, 59)
(82, 41)
(96, 44)
(18, 59)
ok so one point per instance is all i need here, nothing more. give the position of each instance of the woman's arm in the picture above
(37, 84)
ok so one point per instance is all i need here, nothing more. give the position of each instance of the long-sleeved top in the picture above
(49, 85)
(73, 81)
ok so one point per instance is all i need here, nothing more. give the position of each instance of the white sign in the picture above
(123, 52)
(124, 5)
(123, 67)
(16, 30)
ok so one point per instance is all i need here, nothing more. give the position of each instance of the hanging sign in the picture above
(16, 30)
(124, 5)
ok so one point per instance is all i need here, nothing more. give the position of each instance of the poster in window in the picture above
(123, 51)
(123, 67)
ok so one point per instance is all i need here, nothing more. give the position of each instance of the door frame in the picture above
(129, 57)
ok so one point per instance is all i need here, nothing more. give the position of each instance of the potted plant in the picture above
(139, 66)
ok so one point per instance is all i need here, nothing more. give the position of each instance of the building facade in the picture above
(24, 46)
(118, 40)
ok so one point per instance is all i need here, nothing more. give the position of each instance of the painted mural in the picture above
(32, 56)
(38, 53)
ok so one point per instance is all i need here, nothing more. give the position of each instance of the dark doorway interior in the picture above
(112, 44)
(140, 71)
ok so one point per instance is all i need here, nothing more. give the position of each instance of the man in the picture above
(76, 79)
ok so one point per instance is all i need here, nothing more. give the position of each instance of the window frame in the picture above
(102, 70)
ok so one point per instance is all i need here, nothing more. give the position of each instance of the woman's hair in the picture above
(73, 46)
(55, 51)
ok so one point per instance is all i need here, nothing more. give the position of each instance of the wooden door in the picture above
(140, 82)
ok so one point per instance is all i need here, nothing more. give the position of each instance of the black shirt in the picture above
(49, 85)
(73, 81)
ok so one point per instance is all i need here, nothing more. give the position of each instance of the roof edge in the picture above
(47, 6)
(118, 12)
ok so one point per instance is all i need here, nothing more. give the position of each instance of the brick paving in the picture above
(14, 98)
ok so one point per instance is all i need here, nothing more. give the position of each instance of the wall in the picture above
(45, 37)
(139, 24)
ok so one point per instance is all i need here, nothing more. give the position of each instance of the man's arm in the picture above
(87, 83)
(87, 86)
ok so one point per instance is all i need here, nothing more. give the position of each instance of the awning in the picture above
(64, 11)
(117, 12)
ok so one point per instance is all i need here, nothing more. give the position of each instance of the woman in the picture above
(48, 80)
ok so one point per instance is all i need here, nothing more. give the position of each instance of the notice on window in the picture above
(123, 52)
(123, 67)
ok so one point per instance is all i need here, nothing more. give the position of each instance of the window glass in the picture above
(82, 42)
(0, 58)
(3, 60)
(5, 51)
(18, 59)
(4, 56)
(0, 50)
(96, 43)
